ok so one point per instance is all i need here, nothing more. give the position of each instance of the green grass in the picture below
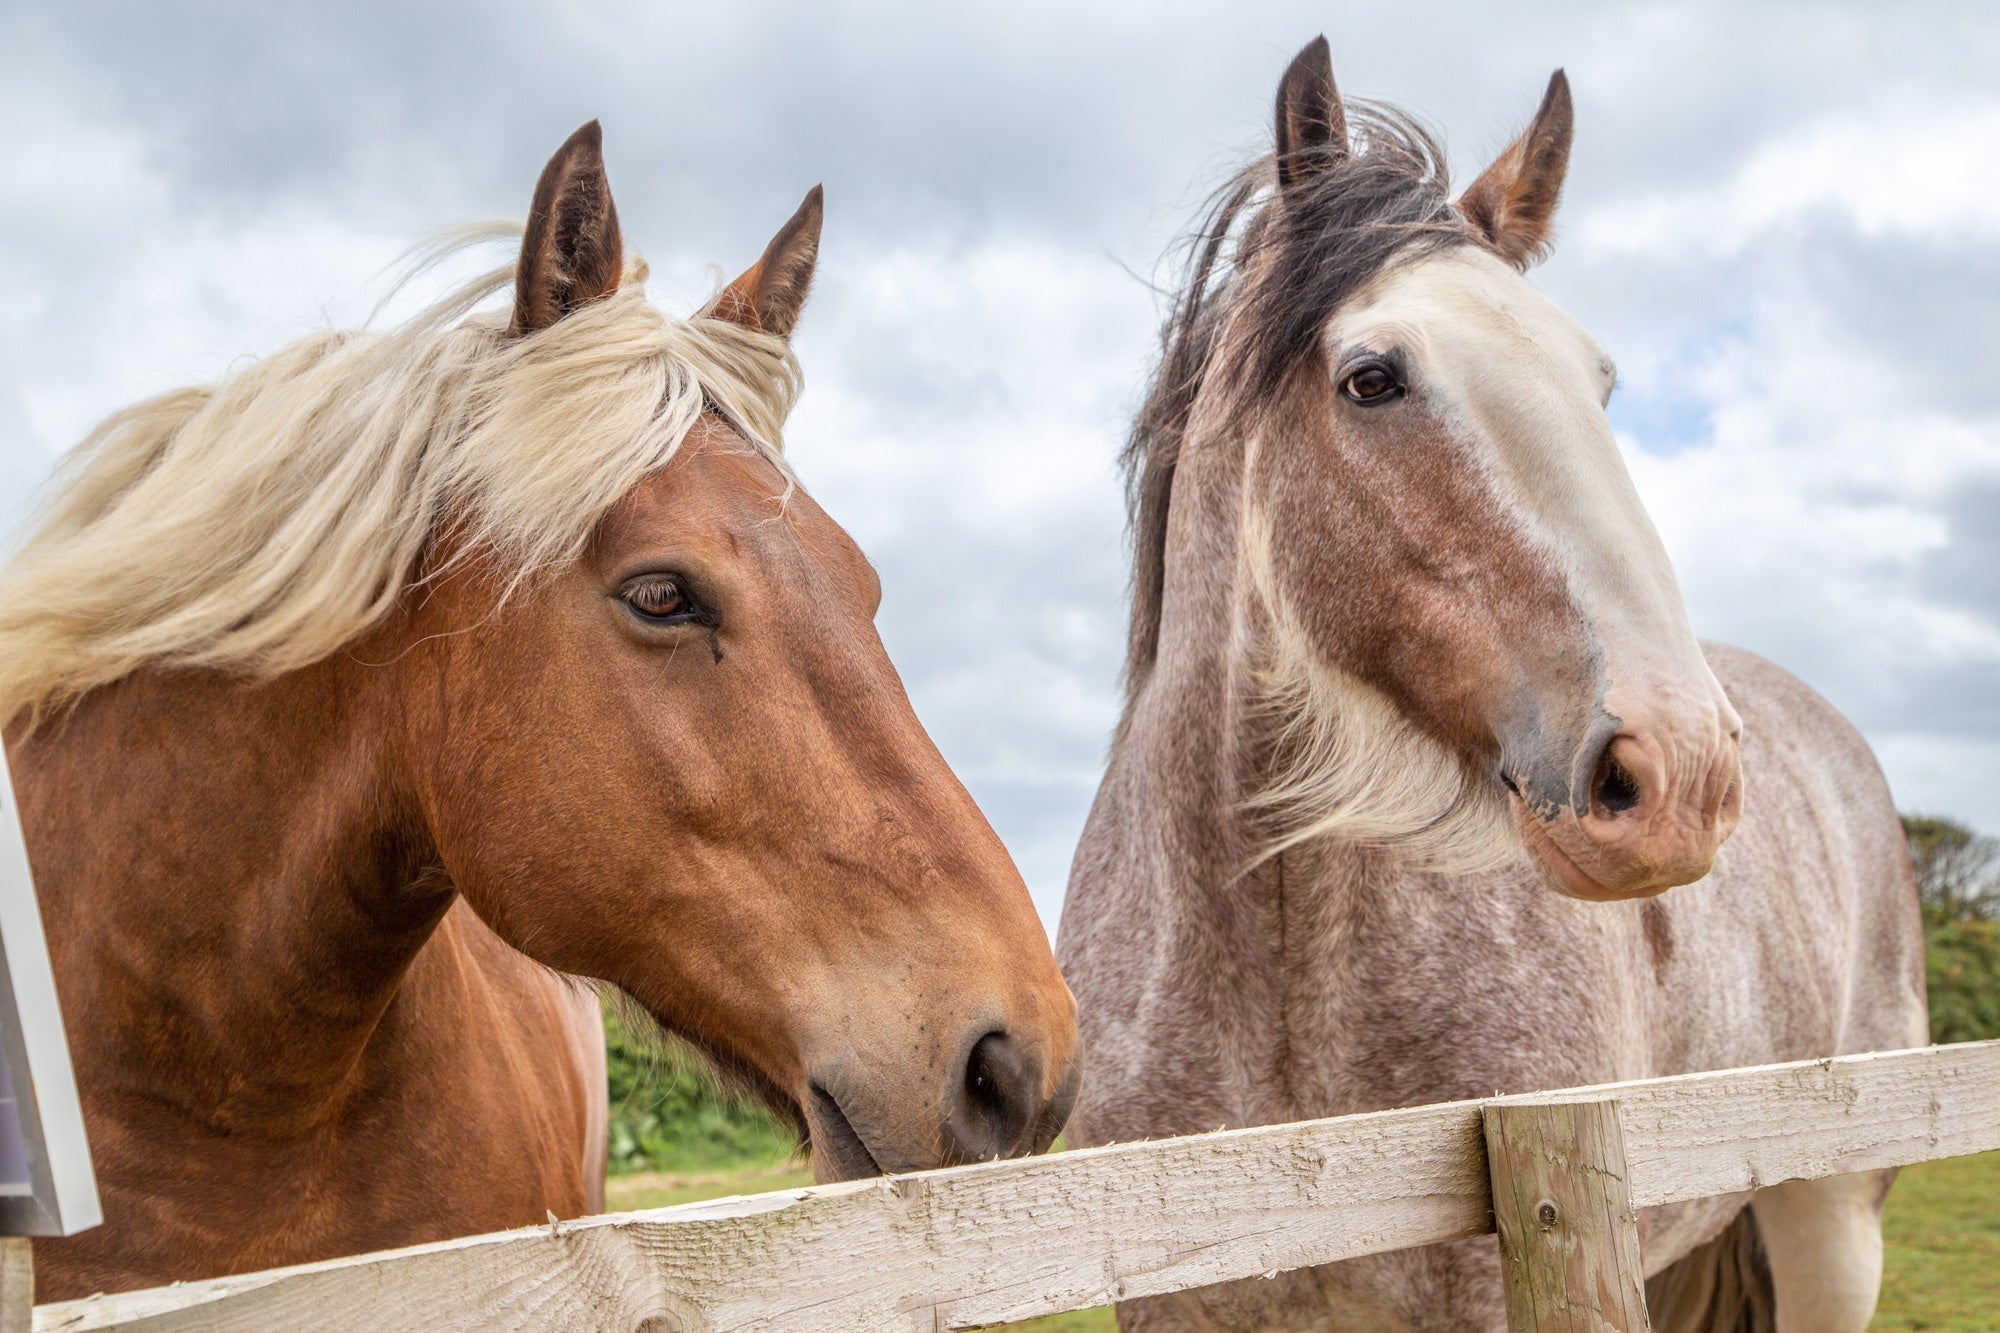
(1941, 1233)
(1941, 1230)
(1097, 1320)
(663, 1189)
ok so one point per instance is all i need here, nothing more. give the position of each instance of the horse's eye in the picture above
(1371, 384)
(658, 597)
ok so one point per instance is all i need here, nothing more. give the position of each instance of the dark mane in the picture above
(1264, 276)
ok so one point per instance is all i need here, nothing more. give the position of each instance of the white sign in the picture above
(47, 1187)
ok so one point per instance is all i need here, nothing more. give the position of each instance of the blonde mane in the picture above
(259, 524)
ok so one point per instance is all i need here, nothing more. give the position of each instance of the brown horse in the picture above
(1409, 677)
(357, 698)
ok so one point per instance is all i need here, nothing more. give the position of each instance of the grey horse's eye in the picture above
(1371, 383)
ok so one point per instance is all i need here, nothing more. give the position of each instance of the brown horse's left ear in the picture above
(773, 290)
(1512, 206)
(572, 252)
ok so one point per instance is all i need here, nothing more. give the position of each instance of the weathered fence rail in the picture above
(979, 1245)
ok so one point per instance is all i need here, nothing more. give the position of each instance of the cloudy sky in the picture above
(1783, 221)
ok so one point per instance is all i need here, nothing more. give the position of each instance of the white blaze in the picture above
(1523, 386)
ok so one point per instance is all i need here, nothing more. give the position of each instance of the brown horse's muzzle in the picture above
(1654, 802)
(989, 1091)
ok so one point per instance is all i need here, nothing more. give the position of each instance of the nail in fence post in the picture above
(1569, 1240)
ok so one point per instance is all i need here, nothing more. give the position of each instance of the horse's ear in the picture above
(1312, 127)
(773, 290)
(572, 252)
(1513, 203)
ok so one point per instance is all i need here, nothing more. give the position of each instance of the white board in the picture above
(47, 1187)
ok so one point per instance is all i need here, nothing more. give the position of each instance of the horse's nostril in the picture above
(983, 1083)
(997, 1102)
(1616, 790)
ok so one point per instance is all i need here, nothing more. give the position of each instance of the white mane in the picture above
(1346, 763)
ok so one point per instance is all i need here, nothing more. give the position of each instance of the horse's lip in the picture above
(836, 1138)
(1571, 879)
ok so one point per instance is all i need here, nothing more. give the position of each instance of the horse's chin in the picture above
(838, 1150)
(1562, 872)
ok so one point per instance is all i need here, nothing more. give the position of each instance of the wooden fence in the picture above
(973, 1246)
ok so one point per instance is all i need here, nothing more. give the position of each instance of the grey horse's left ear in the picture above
(1312, 126)
(1512, 206)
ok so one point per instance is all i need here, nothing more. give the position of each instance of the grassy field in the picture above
(1942, 1231)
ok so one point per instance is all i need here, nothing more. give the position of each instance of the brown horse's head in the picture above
(681, 761)
(1466, 607)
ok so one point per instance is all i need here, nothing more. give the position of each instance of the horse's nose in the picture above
(1657, 806)
(1001, 1098)
(1003, 1103)
(1664, 805)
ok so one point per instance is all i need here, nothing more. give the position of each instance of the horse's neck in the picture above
(1194, 737)
(1259, 956)
(233, 886)
(1225, 956)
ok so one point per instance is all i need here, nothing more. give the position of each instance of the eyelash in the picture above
(687, 611)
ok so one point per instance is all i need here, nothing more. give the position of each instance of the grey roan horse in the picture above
(1418, 742)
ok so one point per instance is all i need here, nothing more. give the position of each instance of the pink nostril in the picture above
(1627, 786)
(1615, 791)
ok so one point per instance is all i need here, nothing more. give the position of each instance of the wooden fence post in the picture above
(1569, 1240)
(17, 1284)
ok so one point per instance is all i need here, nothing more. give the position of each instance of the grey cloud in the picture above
(1928, 308)
(1965, 571)
(954, 117)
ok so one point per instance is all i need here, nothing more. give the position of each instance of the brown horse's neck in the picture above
(230, 873)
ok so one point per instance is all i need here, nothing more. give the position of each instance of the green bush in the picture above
(1963, 958)
(1958, 885)
(669, 1112)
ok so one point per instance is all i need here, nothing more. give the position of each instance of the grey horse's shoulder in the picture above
(1735, 666)
(1808, 770)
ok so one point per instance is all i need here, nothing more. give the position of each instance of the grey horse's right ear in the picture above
(1512, 206)
(1312, 127)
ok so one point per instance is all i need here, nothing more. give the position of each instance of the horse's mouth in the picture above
(1561, 870)
(839, 1153)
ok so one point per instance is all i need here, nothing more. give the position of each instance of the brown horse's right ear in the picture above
(572, 253)
(772, 291)
(1512, 206)
(1312, 127)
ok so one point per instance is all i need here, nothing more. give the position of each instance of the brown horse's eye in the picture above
(658, 597)
(1371, 384)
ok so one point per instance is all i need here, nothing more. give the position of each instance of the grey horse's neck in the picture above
(1262, 951)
